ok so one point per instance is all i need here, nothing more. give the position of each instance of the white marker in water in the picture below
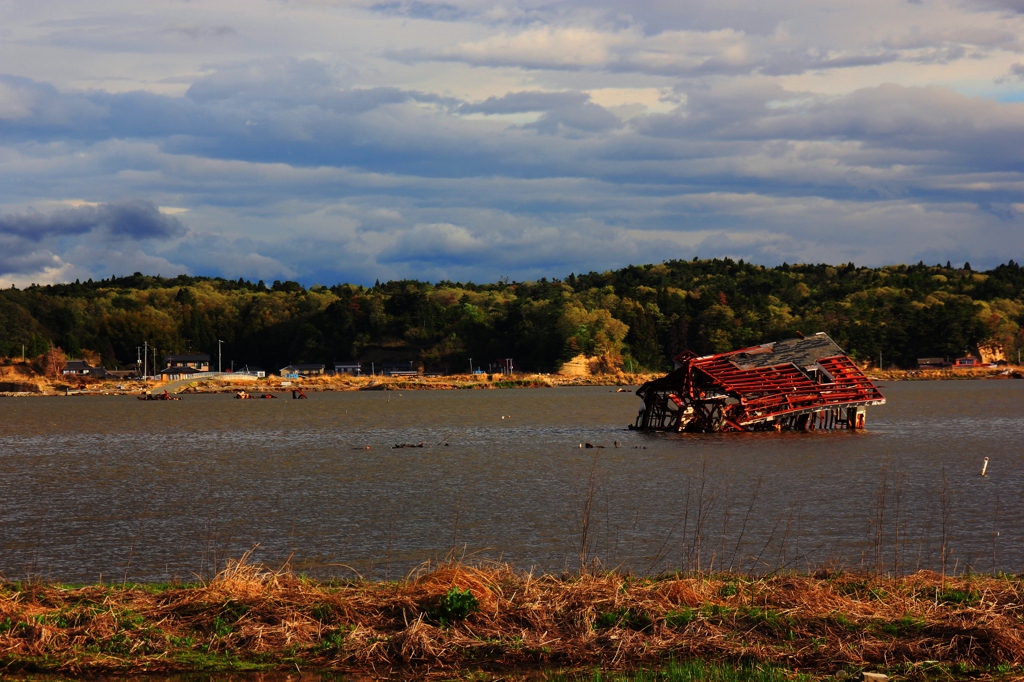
(984, 466)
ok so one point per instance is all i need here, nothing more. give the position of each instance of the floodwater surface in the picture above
(118, 489)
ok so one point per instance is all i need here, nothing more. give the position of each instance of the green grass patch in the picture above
(182, 642)
(222, 627)
(229, 613)
(843, 621)
(957, 597)
(129, 620)
(861, 589)
(690, 671)
(323, 613)
(717, 611)
(907, 625)
(767, 619)
(60, 619)
(201, 661)
(680, 618)
(622, 618)
(333, 642)
(453, 606)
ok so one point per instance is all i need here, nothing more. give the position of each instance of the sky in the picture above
(331, 141)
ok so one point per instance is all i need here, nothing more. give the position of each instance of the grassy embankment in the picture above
(455, 619)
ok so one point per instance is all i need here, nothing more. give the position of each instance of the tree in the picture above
(54, 362)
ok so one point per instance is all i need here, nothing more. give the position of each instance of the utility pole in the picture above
(154, 360)
(145, 359)
(471, 365)
(23, 354)
(138, 360)
(220, 367)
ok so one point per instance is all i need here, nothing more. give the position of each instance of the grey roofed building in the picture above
(352, 368)
(304, 369)
(407, 368)
(180, 372)
(83, 368)
(200, 361)
(76, 367)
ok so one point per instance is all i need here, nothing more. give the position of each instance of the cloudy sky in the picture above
(351, 140)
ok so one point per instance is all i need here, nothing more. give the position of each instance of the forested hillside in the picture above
(639, 316)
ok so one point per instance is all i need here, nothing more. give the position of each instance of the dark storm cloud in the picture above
(36, 227)
(197, 32)
(283, 80)
(288, 112)
(295, 82)
(135, 219)
(35, 241)
(957, 130)
(527, 101)
(18, 257)
(434, 11)
(267, 111)
(587, 118)
(561, 111)
(1011, 5)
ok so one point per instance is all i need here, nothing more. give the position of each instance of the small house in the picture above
(351, 368)
(931, 363)
(197, 361)
(83, 368)
(178, 372)
(123, 374)
(399, 369)
(302, 370)
(967, 361)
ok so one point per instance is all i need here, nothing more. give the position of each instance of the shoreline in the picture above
(228, 383)
(455, 620)
(234, 383)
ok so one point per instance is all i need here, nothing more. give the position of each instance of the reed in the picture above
(251, 617)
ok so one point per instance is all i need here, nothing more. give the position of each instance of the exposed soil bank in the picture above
(250, 618)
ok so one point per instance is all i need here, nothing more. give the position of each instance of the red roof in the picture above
(762, 383)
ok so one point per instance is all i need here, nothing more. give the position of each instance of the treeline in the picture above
(636, 317)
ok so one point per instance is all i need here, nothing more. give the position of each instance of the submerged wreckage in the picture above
(800, 384)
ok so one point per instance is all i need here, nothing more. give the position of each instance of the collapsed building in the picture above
(801, 384)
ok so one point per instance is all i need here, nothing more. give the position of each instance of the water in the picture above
(154, 491)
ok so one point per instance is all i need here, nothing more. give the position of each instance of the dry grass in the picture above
(252, 617)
